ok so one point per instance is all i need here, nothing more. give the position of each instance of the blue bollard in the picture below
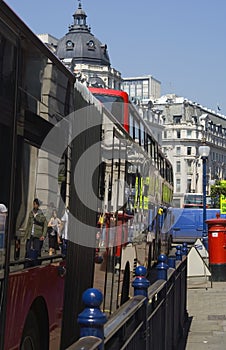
(184, 249)
(178, 253)
(162, 267)
(92, 319)
(172, 261)
(141, 283)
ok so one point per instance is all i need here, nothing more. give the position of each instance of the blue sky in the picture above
(179, 42)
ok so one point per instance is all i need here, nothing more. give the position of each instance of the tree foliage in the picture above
(216, 191)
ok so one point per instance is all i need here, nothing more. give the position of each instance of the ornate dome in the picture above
(80, 44)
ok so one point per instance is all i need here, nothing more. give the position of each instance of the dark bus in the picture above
(60, 145)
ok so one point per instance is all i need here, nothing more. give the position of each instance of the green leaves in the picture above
(216, 191)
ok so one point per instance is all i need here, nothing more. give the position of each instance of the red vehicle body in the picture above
(45, 301)
(110, 96)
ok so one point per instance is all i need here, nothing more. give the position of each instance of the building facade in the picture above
(186, 125)
(142, 89)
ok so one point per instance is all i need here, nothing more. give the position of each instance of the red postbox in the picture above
(217, 247)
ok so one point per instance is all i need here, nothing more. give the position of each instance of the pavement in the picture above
(206, 306)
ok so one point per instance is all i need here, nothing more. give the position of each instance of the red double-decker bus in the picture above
(195, 200)
(118, 103)
(149, 188)
(36, 94)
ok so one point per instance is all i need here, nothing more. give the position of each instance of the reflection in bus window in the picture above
(3, 216)
(40, 176)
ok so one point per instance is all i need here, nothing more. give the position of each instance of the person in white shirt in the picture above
(64, 231)
(3, 214)
(54, 225)
(64, 224)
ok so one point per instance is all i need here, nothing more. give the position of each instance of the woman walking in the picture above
(53, 232)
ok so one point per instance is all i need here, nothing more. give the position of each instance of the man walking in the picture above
(35, 234)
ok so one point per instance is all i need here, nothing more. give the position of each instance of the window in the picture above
(149, 150)
(177, 185)
(176, 203)
(136, 132)
(162, 166)
(188, 150)
(188, 185)
(165, 134)
(131, 126)
(189, 167)
(69, 45)
(91, 45)
(139, 94)
(195, 119)
(178, 134)
(7, 91)
(178, 151)
(189, 133)
(146, 141)
(177, 119)
(141, 134)
(178, 166)
(132, 90)
(114, 104)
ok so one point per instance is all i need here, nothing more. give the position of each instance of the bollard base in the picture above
(218, 272)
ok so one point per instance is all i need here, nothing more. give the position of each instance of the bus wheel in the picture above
(31, 334)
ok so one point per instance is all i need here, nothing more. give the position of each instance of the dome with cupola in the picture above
(80, 44)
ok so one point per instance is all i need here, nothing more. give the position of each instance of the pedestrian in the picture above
(64, 231)
(103, 226)
(48, 215)
(3, 209)
(3, 215)
(35, 234)
(54, 233)
(112, 231)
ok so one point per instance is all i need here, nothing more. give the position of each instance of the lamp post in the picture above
(204, 151)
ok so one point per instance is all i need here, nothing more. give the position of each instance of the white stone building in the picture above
(186, 125)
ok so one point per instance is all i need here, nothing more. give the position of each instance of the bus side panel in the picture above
(21, 296)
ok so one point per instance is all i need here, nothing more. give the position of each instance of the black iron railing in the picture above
(154, 321)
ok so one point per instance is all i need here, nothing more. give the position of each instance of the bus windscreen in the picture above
(114, 104)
